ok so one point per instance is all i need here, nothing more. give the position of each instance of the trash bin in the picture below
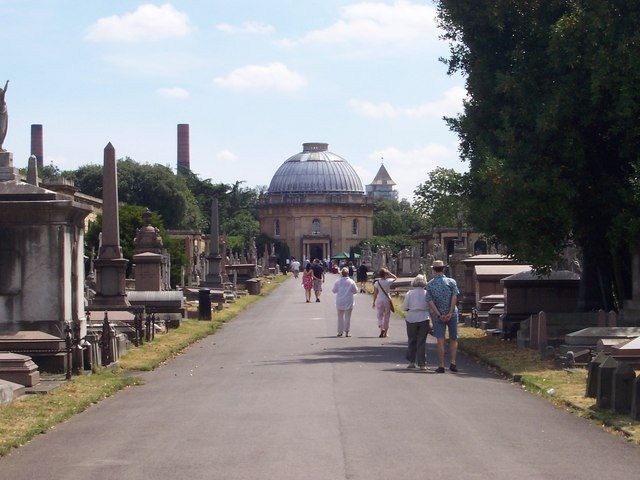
(204, 304)
(253, 286)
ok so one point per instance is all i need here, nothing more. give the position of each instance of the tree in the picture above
(154, 186)
(393, 217)
(549, 126)
(442, 197)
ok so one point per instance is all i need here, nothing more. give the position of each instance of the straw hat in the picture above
(437, 263)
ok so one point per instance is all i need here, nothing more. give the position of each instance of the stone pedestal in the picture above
(148, 267)
(7, 172)
(18, 369)
(110, 282)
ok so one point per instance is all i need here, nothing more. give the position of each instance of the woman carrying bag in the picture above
(382, 300)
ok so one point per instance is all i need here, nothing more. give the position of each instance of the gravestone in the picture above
(18, 369)
(635, 399)
(623, 378)
(605, 383)
(110, 265)
(213, 278)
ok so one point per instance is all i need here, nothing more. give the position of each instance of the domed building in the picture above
(316, 204)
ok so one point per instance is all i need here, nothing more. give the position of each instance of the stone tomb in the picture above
(628, 352)
(487, 278)
(588, 337)
(468, 300)
(41, 256)
(47, 351)
(18, 369)
(527, 293)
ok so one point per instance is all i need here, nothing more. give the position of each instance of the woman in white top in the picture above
(415, 304)
(382, 299)
(344, 289)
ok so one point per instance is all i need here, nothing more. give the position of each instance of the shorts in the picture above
(317, 284)
(439, 328)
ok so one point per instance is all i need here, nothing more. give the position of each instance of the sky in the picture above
(253, 78)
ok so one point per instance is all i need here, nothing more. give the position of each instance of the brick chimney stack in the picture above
(37, 147)
(183, 148)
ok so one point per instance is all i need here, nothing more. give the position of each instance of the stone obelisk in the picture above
(213, 279)
(110, 266)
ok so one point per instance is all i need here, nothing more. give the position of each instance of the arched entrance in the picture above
(315, 251)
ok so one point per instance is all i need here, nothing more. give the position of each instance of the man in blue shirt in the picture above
(442, 297)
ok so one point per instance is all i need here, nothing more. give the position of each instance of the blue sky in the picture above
(253, 78)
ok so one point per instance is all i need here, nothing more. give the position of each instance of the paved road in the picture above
(274, 395)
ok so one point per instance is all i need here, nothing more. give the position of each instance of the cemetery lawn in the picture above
(31, 415)
(563, 387)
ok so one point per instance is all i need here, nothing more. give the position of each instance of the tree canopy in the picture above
(442, 197)
(549, 127)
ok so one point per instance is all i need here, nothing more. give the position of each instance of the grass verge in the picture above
(31, 415)
(563, 387)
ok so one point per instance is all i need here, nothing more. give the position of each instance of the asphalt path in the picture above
(275, 395)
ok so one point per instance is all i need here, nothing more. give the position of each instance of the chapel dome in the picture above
(315, 170)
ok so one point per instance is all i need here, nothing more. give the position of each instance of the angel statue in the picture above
(4, 116)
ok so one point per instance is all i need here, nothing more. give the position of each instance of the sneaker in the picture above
(384, 334)
(440, 370)
(411, 365)
(423, 368)
(453, 368)
(317, 300)
(339, 335)
(381, 334)
(347, 334)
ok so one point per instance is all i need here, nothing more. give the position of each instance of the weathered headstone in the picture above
(623, 378)
(592, 375)
(213, 279)
(635, 399)
(605, 383)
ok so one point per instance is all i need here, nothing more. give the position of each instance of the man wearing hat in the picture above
(442, 297)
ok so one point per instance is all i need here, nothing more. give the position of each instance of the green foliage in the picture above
(154, 186)
(442, 197)
(549, 127)
(395, 218)
(395, 242)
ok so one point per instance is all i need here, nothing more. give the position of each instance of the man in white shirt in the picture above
(295, 267)
(344, 289)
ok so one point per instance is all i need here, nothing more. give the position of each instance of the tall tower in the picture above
(37, 145)
(183, 148)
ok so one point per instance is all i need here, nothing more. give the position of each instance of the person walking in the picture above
(318, 278)
(382, 300)
(442, 296)
(351, 269)
(361, 276)
(344, 289)
(307, 281)
(417, 319)
(295, 267)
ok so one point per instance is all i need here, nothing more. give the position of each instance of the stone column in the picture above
(37, 144)
(110, 265)
(213, 279)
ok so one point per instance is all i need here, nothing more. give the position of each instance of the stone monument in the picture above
(110, 265)
(4, 116)
(148, 258)
(213, 279)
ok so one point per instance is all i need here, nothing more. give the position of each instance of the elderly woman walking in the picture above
(344, 289)
(417, 308)
(382, 300)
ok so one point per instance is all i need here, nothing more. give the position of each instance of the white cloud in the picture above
(450, 104)
(226, 156)
(247, 27)
(408, 168)
(274, 76)
(375, 27)
(173, 92)
(147, 23)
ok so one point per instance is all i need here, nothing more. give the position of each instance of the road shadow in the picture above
(391, 353)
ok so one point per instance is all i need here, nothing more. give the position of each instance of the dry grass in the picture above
(31, 415)
(563, 387)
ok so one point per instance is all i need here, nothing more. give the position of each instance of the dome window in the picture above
(315, 226)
